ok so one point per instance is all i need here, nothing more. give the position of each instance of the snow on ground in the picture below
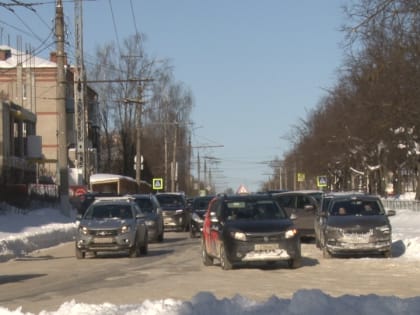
(22, 232)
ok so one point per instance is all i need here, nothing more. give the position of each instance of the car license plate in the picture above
(356, 238)
(103, 240)
(266, 246)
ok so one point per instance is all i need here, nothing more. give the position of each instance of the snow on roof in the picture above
(100, 177)
(25, 58)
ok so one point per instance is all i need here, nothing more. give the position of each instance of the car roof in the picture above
(338, 194)
(357, 197)
(118, 200)
(204, 197)
(246, 196)
(141, 196)
(303, 192)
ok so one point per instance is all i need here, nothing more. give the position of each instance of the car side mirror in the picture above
(140, 216)
(391, 213)
(309, 207)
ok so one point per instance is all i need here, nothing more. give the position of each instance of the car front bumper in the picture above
(340, 246)
(119, 242)
(243, 252)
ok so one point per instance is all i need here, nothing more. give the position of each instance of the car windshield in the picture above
(170, 200)
(317, 196)
(145, 205)
(356, 207)
(116, 211)
(201, 203)
(253, 210)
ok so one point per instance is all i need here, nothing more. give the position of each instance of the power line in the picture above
(134, 17)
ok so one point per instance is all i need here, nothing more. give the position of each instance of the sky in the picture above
(255, 68)
(22, 233)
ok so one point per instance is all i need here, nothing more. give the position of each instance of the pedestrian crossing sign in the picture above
(157, 183)
(321, 181)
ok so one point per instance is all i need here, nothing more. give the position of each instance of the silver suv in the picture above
(111, 225)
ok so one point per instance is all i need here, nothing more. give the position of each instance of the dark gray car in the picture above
(303, 204)
(353, 224)
(112, 225)
(150, 206)
(176, 214)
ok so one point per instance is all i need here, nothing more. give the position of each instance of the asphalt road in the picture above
(173, 269)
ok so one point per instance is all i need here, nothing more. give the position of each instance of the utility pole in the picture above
(61, 109)
(139, 110)
(80, 94)
(174, 168)
(138, 114)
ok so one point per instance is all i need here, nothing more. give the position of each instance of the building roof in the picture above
(25, 58)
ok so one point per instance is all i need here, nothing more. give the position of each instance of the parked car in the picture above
(150, 206)
(112, 224)
(303, 204)
(176, 214)
(248, 229)
(353, 224)
(198, 210)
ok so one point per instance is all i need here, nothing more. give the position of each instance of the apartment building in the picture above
(29, 85)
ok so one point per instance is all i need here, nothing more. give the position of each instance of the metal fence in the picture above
(396, 204)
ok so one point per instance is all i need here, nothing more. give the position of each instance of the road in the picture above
(46, 279)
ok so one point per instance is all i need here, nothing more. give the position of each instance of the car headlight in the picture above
(385, 229)
(333, 229)
(196, 218)
(150, 222)
(83, 230)
(240, 236)
(291, 233)
(125, 229)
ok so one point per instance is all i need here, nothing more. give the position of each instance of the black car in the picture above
(176, 214)
(152, 210)
(353, 224)
(198, 210)
(303, 204)
(248, 229)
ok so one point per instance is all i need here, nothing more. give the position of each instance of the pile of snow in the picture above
(311, 302)
(24, 231)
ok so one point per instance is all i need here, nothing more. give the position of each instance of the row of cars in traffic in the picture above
(109, 222)
(270, 227)
(241, 229)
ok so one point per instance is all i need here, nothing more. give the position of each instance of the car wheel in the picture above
(80, 254)
(134, 251)
(294, 263)
(192, 232)
(144, 247)
(387, 254)
(224, 260)
(207, 260)
(325, 252)
(160, 237)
